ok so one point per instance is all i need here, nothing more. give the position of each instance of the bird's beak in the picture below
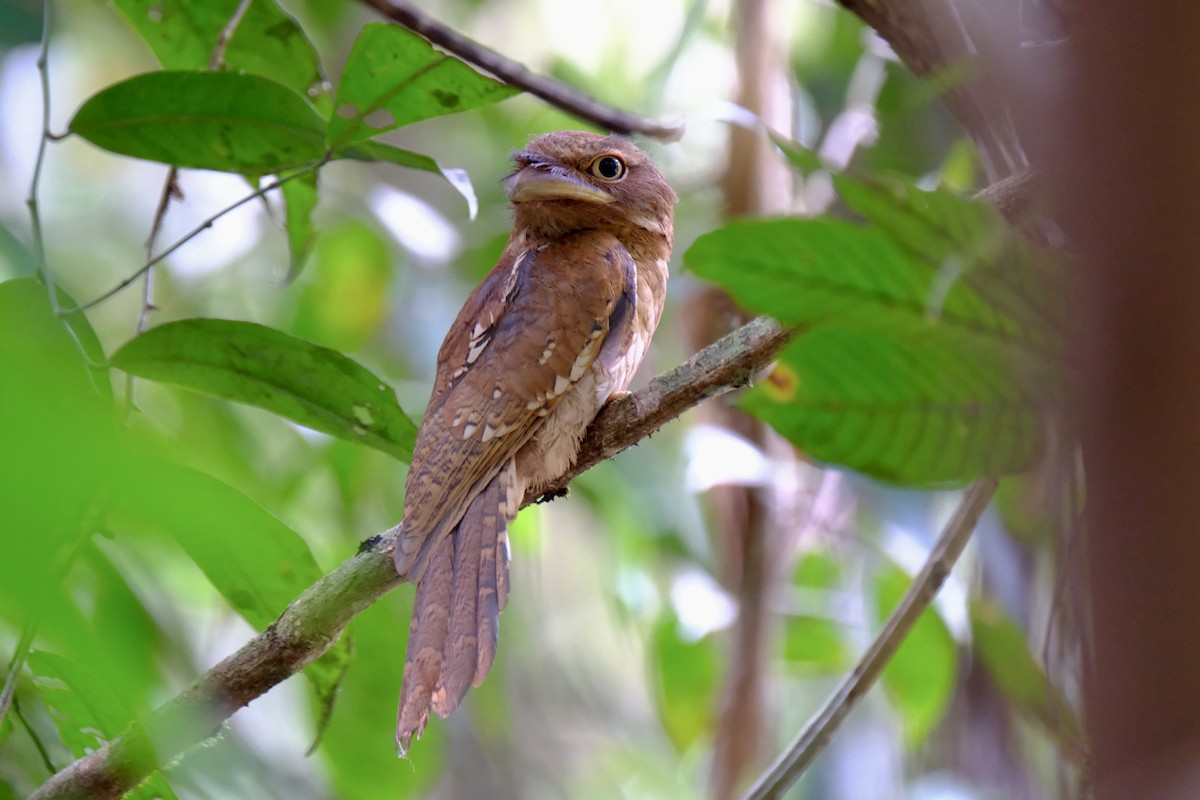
(531, 183)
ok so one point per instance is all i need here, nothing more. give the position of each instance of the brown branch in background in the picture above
(940, 40)
(511, 72)
(313, 622)
(1119, 155)
(822, 725)
(747, 530)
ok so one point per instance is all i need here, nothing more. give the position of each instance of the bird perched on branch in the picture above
(555, 330)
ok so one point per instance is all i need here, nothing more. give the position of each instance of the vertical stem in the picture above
(39, 245)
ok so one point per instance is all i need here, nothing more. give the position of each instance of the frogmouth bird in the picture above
(556, 329)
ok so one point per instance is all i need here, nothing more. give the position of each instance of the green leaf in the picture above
(344, 299)
(312, 385)
(221, 121)
(373, 772)
(919, 679)
(183, 33)
(807, 271)
(815, 645)
(688, 682)
(914, 404)
(393, 78)
(258, 564)
(60, 447)
(1004, 650)
(299, 199)
(818, 569)
(381, 151)
(800, 157)
(970, 248)
(86, 712)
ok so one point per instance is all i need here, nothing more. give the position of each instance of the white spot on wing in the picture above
(476, 349)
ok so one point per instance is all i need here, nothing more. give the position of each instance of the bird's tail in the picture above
(456, 613)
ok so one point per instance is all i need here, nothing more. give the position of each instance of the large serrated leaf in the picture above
(183, 34)
(221, 121)
(916, 404)
(965, 240)
(306, 383)
(804, 271)
(393, 78)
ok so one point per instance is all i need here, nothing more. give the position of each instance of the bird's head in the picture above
(572, 180)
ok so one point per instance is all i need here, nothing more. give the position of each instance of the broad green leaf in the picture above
(60, 446)
(916, 404)
(929, 224)
(299, 200)
(808, 271)
(366, 712)
(1004, 650)
(344, 300)
(818, 569)
(688, 682)
(86, 712)
(815, 645)
(393, 78)
(919, 679)
(221, 121)
(965, 242)
(381, 151)
(183, 34)
(258, 564)
(16, 260)
(125, 639)
(312, 385)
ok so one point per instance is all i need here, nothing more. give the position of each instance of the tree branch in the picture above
(511, 72)
(821, 727)
(313, 622)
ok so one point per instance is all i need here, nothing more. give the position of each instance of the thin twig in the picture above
(822, 725)
(38, 744)
(216, 60)
(8, 693)
(170, 191)
(203, 226)
(313, 622)
(39, 244)
(557, 94)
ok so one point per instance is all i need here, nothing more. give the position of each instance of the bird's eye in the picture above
(608, 168)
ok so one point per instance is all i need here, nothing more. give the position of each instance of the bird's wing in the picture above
(525, 337)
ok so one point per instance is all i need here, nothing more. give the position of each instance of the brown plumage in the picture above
(555, 330)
